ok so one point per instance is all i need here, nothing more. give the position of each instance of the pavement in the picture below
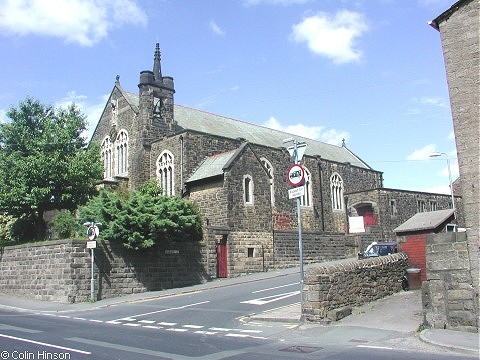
(400, 312)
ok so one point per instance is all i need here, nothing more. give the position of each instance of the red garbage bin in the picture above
(414, 278)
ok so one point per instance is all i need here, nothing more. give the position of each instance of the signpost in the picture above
(296, 178)
(92, 233)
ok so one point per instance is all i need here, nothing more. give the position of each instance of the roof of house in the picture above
(205, 122)
(423, 221)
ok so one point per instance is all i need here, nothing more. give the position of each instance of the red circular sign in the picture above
(295, 175)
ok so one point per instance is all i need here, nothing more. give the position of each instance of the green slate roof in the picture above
(205, 122)
(213, 166)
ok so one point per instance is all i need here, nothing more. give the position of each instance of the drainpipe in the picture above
(320, 176)
(181, 165)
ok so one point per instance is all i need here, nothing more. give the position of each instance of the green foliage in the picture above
(6, 225)
(44, 162)
(65, 225)
(144, 218)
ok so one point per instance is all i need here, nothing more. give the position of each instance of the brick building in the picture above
(236, 173)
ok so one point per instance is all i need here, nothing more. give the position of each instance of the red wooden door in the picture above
(222, 268)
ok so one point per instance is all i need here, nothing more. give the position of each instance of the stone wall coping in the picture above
(71, 242)
(356, 264)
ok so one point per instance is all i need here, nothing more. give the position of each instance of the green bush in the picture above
(144, 218)
(65, 225)
(6, 224)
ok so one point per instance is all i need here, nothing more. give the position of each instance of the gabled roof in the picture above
(208, 123)
(424, 221)
(214, 165)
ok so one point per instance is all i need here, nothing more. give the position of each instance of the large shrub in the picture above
(143, 218)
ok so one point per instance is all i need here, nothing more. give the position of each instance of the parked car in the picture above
(379, 249)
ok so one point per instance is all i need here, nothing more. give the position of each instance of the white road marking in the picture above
(274, 288)
(375, 347)
(45, 344)
(146, 321)
(193, 326)
(164, 310)
(176, 329)
(203, 332)
(270, 299)
(167, 323)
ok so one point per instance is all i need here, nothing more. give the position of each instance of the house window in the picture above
(336, 188)
(247, 189)
(420, 206)
(106, 153)
(433, 206)
(250, 252)
(306, 199)
(121, 149)
(393, 207)
(268, 166)
(165, 172)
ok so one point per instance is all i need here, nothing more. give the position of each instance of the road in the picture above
(207, 324)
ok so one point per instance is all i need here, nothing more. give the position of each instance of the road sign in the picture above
(295, 175)
(91, 244)
(296, 192)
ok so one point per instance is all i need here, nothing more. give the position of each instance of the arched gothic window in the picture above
(106, 153)
(165, 172)
(121, 149)
(306, 199)
(336, 188)
(268, 166)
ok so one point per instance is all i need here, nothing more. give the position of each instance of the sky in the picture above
(370, 72)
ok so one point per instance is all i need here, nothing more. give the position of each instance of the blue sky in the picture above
(368, 71)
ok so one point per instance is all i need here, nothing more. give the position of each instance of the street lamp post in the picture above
(438, 154)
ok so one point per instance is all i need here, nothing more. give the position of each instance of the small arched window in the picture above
(106, 154)
(336, 188)
(307, 198)
(165, 172)
(121, 149)
(268, 166)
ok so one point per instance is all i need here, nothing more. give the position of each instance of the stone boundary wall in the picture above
(53, 271)
(449, 295)
(316, 248)
(331, 291)
(61, 270)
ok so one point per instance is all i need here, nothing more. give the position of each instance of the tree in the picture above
(144, 218)
(45, 163)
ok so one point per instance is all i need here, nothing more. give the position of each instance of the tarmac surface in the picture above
(400, 312)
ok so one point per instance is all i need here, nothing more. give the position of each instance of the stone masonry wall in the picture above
(460, 43)
(54, 271)
(61, 270)
(448, 295)
(336, 288)
(316, 248)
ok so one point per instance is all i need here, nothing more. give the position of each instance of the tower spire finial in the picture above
(157, 69)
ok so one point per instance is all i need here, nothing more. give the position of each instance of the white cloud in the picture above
(274, 2)
(3, 116)
(215, 28)
(331, 136)
(332, 36)
(433, 101)
(84, 22)
(423, 153)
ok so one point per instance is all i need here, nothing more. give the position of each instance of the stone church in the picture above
(235, 172)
